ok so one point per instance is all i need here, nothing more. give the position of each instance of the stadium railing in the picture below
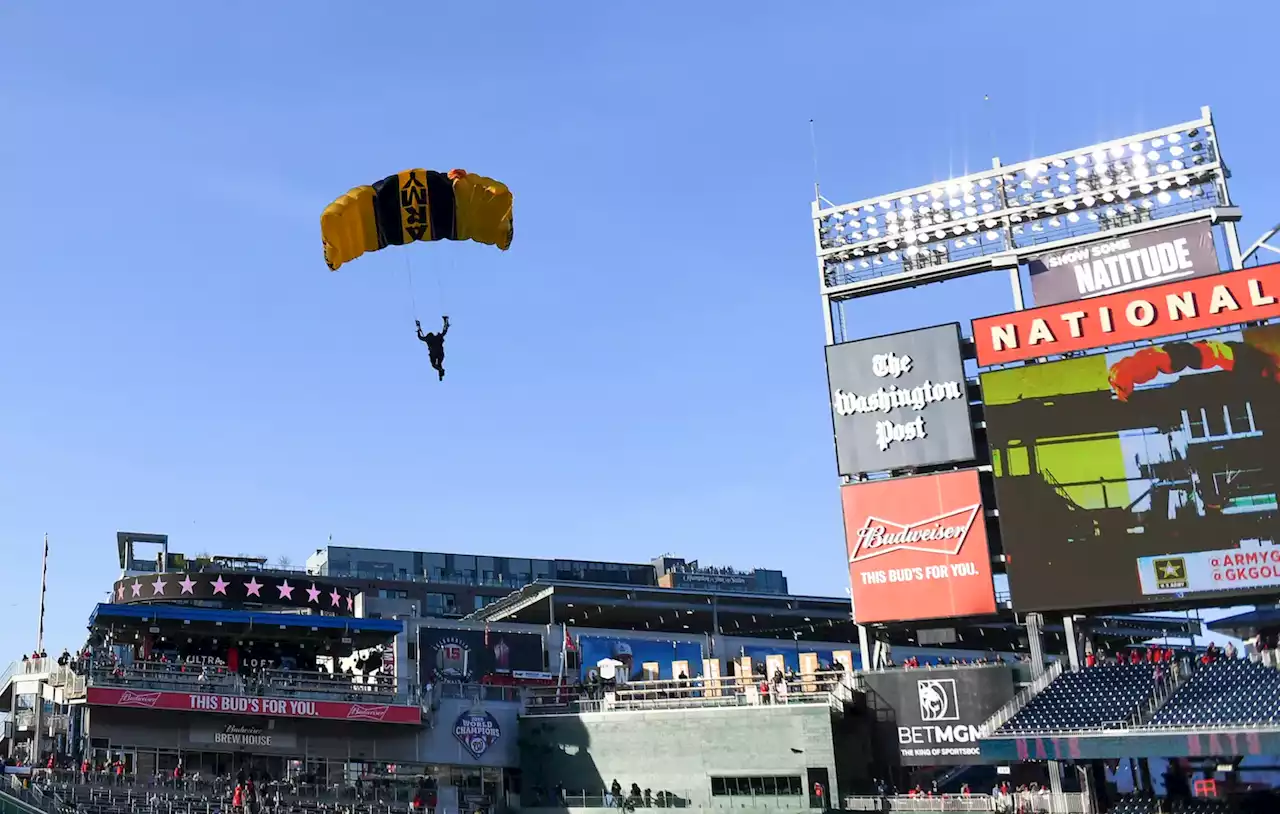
(1002, 715)
(666, 798)
(1022, 803)
(1178, 674)
(830, 688)
(28, 667)
(271, 683)
(31, 794)
(475, 692)
(103, 793)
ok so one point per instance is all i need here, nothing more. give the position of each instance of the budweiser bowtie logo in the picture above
(941, 534)
(129, 698)
(367, 712)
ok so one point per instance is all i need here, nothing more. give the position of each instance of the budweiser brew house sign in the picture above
(918, 548)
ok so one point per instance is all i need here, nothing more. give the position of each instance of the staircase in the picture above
(1002, 715)
(1173, 681)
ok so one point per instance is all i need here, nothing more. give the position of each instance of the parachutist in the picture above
(435, 345)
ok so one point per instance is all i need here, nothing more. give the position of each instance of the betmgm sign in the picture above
(936, 714)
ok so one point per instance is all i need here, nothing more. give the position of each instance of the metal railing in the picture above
(1043, 802)
(1006, 712)
(28, 667)
(1168, 684)
(75, 688)
(30, 793)
(476, 692)
(274, 683)
(162, 794)
(832, 688)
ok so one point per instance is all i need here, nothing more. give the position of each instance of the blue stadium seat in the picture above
(1149, 805)
(1086, 699)
(1224, 693)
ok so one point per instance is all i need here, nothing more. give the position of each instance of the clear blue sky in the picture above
(641, 373)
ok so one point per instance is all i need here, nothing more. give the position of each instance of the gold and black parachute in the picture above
(416, 205)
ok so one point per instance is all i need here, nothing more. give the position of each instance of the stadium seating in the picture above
(1224, 693)
(1086, 699)
(1150, 805)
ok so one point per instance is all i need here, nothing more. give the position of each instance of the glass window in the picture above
(441, 603)
(757, 784)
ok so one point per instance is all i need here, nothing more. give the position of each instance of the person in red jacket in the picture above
(237, 799)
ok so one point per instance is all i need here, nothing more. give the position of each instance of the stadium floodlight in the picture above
(958, 226)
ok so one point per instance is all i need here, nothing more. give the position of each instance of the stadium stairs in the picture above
(1108, 696)
(1233, 693)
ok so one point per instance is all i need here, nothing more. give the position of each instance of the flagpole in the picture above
(44, 584)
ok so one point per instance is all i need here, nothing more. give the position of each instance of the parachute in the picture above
(416, 205)
(1204, 354)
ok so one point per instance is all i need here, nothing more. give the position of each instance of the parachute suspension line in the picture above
(408, 273)
(444, 306)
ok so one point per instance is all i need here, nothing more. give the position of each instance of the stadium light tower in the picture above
(997, 218)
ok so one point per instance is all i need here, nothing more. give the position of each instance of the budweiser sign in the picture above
(254, 706)
(129, 698)
(367, 712)
(933, 527)
(943, 534)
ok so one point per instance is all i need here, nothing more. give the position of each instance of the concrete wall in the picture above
(678, 750)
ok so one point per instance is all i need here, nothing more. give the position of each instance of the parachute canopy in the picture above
(416, 205)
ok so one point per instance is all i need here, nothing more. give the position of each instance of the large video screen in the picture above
(463, 655)
(1146, 476)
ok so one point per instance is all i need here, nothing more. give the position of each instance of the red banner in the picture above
(1215, 301)
(246, 705)
(918, 548)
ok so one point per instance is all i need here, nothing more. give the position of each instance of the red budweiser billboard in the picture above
(918, 548)
(245, 705)
(1189, 305)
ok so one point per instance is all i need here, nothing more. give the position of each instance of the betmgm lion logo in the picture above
(938, 700)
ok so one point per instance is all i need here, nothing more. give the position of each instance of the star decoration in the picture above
(336, 597)
(350, 602)
(157, 587)
(136, 588)
(313, 593)
(285, 589)
(188, 585)
(120, 591)
(220, 586)
(253, 587)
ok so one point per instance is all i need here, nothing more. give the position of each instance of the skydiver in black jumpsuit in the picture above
(435, 345)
